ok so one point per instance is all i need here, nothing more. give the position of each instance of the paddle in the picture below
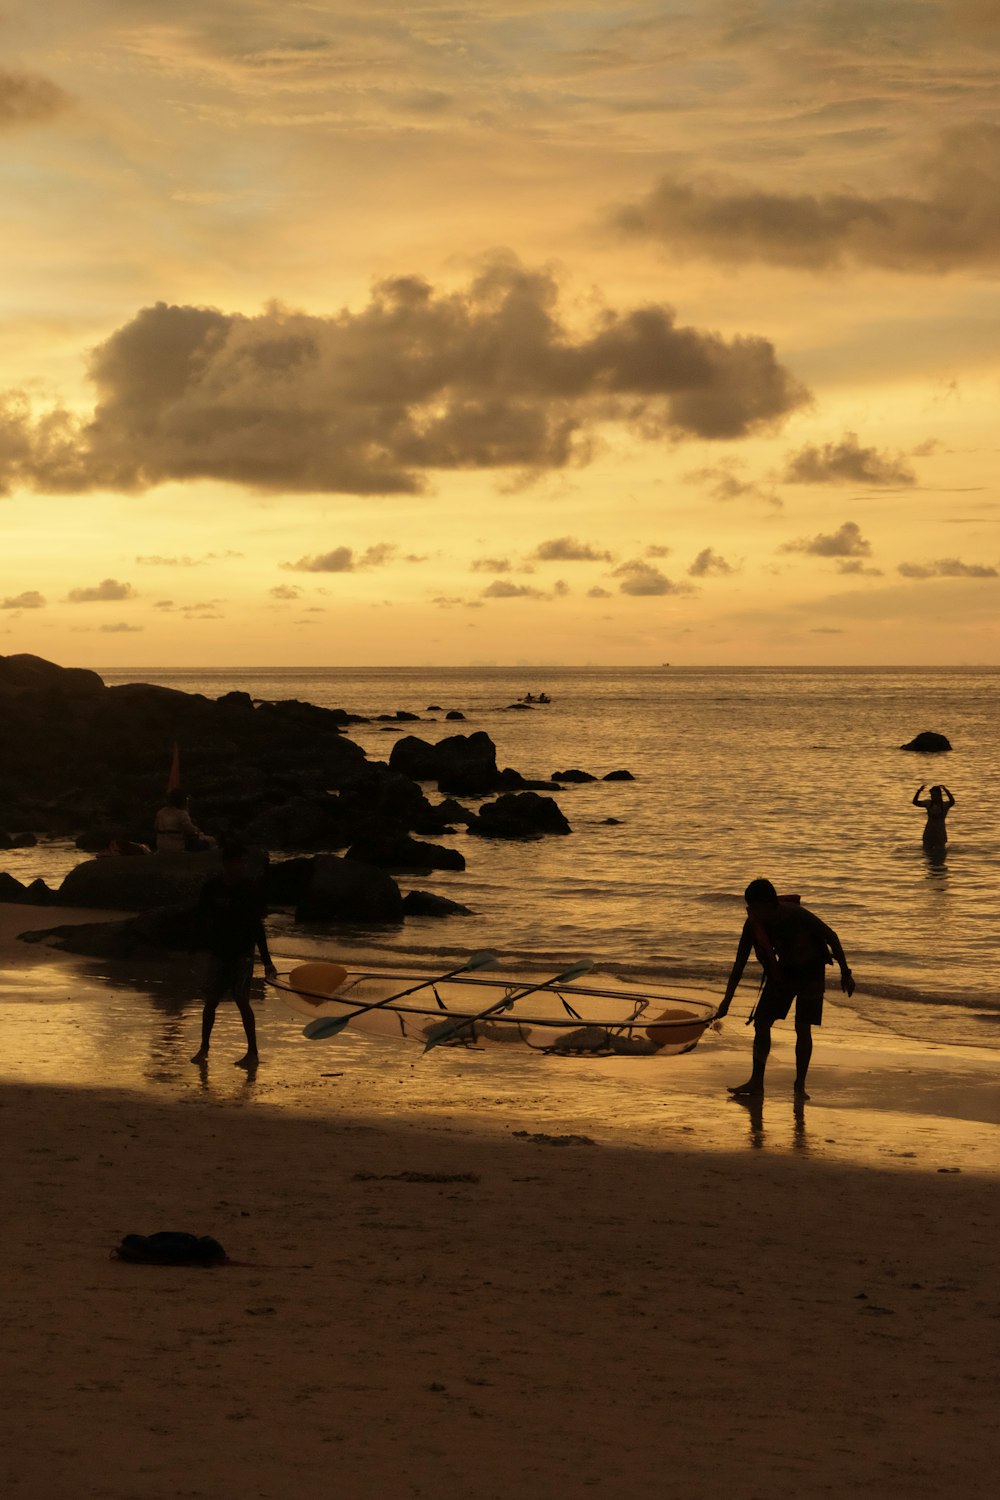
(574, 971)
(327, 1026)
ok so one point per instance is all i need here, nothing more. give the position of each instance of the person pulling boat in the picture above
(793, 946)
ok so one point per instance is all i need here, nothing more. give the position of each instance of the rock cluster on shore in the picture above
(88, 762)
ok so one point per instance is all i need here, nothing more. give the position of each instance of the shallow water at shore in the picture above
(876, 1097)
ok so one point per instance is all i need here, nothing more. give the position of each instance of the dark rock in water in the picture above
(450, 811)
(928, 743)
(510, 780)
(119, 883)
(462, 765)
(287, 881)
(404, 716)
(157, 933)
(525, 708)
(320, 822)
(572, 776)
(426, 904)
(618, 776)
(5, 840)
(11, 889)
(344, 890)
(398, 852)
(23, 840)
(614, 821)
(38, 894)
(523, 815)
(454, 713)
(433, 708)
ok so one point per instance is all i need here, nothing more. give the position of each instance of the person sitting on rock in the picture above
(176, 832)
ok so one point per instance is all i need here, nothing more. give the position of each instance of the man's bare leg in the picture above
(803, 1056)
(207, 1022)
(250, 1059)
(761, 1048)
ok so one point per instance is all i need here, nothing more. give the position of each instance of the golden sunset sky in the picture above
(349, 334)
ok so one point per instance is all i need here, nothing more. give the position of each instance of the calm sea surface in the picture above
(792, 774)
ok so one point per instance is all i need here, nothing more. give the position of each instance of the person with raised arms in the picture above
(794, 947)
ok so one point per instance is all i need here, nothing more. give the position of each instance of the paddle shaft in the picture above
(362, 1010)
(573, 972)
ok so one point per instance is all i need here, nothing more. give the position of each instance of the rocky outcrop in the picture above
(572, 775)
(344, 890)
(520, 815)
(618, 776)
(928, 743)
(427, 904)
(14, 893)
(397, 852)
(463, 765)
(119, 883)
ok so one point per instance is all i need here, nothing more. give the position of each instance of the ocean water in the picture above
(793, 774)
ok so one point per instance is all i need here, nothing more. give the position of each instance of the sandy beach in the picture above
(435, 1295)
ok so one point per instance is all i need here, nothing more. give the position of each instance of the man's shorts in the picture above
(805, 987)
(228, 975)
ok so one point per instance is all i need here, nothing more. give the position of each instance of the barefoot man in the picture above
(794, 948)
(231, 910)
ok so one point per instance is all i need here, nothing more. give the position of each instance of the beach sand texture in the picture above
(524, 1318)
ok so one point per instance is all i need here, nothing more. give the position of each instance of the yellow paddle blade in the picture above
(317, 982)
(675, 1035)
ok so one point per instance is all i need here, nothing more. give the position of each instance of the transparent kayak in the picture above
(625, 1019)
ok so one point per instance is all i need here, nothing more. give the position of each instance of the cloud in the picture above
(343, 560)
(285, 591)
(641, 578)
(854, 566)
(847, 541)
(708, 562)
(598, 593)
(654, 550)
(568, 549)
(950, 222)
(847, 462)
(121, 628)
(31, 599)
(109, 589)
(947, 567)
(370, 402)
(724, 484)
(501, 589)
(491, 565)
(154, 560)
(28, 99)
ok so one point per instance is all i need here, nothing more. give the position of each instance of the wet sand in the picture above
(685, 1299)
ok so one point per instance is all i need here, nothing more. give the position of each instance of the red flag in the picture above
(174, 779)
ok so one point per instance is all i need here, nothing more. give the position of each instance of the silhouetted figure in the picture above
(794, 948)
(937, 809)
(231, 910)
(175, 830)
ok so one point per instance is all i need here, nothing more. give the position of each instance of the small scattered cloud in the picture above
(568, 549)
(285, 591)
(156, 561)
(107, 590)
(847, 541)
(501, 589)
(847, 462)
(598, 593)
(164, 604)
(707, 563)
(641, 579)
(120, 628)
(859, 568)
(724, 482)
(344, 560)
(30, 599)
(654, 550)
(491, 565)
(947, 567)
(29, 99)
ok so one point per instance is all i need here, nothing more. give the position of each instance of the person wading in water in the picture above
(794, 948)
(937, 809)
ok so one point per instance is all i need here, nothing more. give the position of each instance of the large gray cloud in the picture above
(641, 579)
(951, 220)
(847, 462)
(28, 99)
(368, 402)
(31, 599)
